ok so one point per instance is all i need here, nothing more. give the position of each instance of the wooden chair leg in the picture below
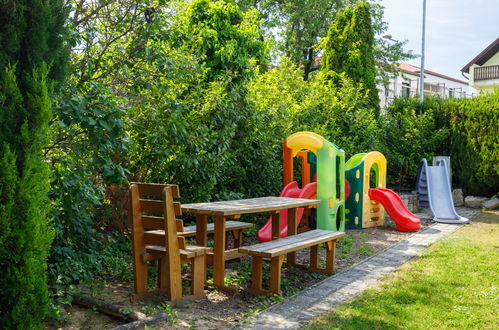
(140, 277)
(330, 256)
(163, 275)
(256, 275)
(198, 275)
(275, 274)
(174, 279)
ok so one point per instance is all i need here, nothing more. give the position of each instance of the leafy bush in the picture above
(475, 142)
(407, 136)
(88, 142)
(284, 103)
(189, 119)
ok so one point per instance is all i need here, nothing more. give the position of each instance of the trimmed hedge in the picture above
(475, 143)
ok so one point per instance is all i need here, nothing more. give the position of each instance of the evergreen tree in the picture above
(30, 42)
(349, 50)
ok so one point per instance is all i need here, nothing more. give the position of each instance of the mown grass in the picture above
(455, 285)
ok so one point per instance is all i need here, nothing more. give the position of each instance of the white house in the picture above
(484, 68)
(406, 84)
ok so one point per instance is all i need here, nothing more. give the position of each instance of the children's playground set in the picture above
(353, 194)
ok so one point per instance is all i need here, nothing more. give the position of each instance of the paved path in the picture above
(345, 285)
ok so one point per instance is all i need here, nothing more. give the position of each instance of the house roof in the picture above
(484, 55)
(416, 71)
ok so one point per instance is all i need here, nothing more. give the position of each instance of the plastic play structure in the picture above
(323, 161)
(432, 184)
(364, 203)
(325, 176)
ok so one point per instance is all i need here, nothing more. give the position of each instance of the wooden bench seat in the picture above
(276, 249)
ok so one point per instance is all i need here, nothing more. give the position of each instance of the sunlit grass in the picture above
(455, 284)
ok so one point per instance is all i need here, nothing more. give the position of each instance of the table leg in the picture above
(276, 225)
(292, 230)
(201, 229)
(219, 251)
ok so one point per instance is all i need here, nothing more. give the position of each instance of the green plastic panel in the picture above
(353, 206)
(330, 168)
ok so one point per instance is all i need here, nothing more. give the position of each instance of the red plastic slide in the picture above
(291, 190)
(404, 219)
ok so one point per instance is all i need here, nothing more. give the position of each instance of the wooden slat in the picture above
(151, 189)
(151, 206)
(181, 242)
(154, 206)
(155, 237)
(178, 209)
(246, 206)
(284, 241)
(156, 190)
(290, 244)
(151, 222)
(190, 251)
(180, 226)
(298, 245)
(229, 226)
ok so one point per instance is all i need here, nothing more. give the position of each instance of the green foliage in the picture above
(349, 49)
(25, 232)
(286, 105)
(88, 141)
(407, 137)
(301, 25)
(25, 111)
(188, 124)
(465, 129)
(227, 40)
(475, 140)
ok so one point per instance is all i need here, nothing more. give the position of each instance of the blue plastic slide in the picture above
(434, 190)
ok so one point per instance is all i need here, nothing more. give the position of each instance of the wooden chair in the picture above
(152, 208)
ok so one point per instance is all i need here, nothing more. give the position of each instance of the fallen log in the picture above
(113, 310)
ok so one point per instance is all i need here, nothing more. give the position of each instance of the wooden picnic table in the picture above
(224, 210)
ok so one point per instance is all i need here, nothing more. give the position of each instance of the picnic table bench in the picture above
(276, 249)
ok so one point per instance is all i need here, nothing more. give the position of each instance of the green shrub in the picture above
(30, 38)
(284, 103)
(407, 136)
(89, 139)
(475, 143)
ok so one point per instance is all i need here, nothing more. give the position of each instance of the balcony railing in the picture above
(486, 72)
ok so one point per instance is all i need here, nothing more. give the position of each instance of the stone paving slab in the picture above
(350, 282)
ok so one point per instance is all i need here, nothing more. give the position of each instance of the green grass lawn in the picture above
(455, 285)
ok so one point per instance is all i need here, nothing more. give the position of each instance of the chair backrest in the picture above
(152, 208)
(153, 223)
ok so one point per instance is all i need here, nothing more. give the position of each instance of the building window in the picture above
(406, 89)
(451, 92)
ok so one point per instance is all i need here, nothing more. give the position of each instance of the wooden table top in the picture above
(245, 206)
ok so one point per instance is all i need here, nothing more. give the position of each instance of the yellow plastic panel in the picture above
(371, 159)
(304, 140)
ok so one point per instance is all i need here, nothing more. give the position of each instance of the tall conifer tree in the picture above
(32, 62)
(349, 49)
